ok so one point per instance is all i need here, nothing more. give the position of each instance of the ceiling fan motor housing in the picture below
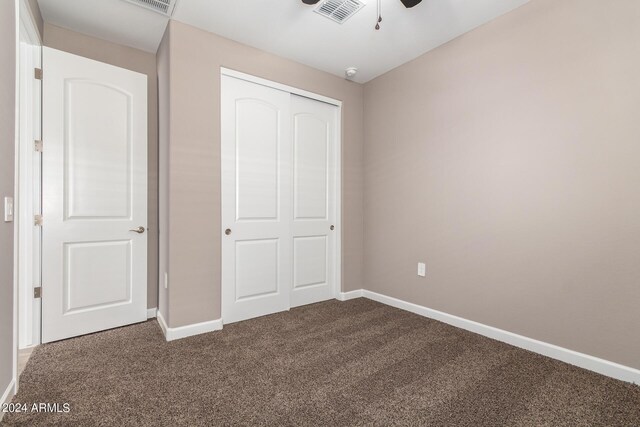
(410, 3)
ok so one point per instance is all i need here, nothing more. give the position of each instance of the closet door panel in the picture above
(256, 200)
(314, 192)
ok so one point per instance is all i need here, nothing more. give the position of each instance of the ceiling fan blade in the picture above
(410, 3)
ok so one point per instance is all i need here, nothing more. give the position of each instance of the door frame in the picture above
(28, 179)
(337, 280)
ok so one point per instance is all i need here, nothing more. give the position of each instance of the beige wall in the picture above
(7, 162)
(164, 121)
(509, 161)
(506, 159)
(142, 62)
(194, 162)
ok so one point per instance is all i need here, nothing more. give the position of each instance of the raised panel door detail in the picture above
(256, 268)
(94, 191)
(255, 149)
(257, 145)
(96, 275)
(309, 261)
(97, 150)
(279, 178)
(314, 198)
(310, 167)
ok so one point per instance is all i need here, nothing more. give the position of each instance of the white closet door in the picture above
(314, 200)
(94, 265)
(256, 200)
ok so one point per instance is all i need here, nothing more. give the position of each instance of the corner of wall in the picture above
(163, 64)
(37, 16)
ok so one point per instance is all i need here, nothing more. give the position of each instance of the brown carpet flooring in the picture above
(329, 364)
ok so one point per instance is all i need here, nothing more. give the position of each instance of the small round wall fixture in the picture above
(351, 72)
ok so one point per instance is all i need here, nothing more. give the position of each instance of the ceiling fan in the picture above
(406, 3)
(352, 6)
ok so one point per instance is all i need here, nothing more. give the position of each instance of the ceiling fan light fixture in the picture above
(410, 3)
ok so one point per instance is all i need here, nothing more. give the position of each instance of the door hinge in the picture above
(37, 145)
(37, 73)
(37, 220)
(37, 292)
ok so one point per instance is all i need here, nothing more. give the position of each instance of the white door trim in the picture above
(338, 168)
(280, 86)
(27, 19)
(12, 388)
(28, 180)
(24, 243)
(338, 189)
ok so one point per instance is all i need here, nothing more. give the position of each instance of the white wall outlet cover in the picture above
(422, 269)
(8, 209)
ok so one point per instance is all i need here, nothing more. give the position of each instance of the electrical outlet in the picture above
(422, 269)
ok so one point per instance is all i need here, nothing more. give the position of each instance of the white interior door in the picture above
(314, 200)
(256, 200)
(94, 193)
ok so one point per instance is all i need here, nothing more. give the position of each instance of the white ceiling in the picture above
(290, 28)
(114, 20)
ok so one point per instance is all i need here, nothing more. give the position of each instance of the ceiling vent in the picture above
(164, 7)
(339, 10)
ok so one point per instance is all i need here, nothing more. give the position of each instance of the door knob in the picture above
(227, 231)
(331, 228)
(138, 230)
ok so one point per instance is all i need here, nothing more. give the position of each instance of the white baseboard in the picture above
(591, 363)
(151, 313)
(171, 334)
(7, 395)
(345, 296)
